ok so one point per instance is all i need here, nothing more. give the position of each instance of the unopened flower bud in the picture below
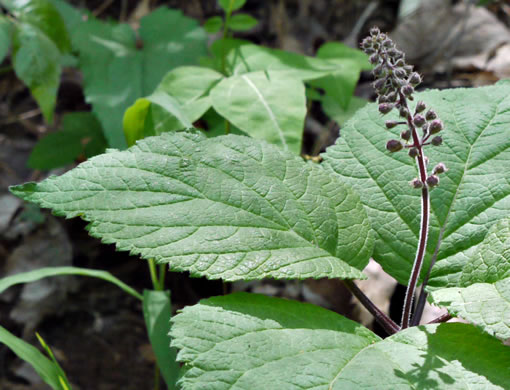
(419, 120)
(430, 115)
(392, 97)
(403, 112)
(407, 90)
(432, 181)
(374, 59)
(436, 141)
(416, 183)
(408, 69)
(384, 108)
(387, 43)
(391, 124)
(420, 106)
(379, 84)
(415, 79)
(378, 70)
(435, 126)
(394, 145)
(400, 73)
(405, 135)
(439, 168)
(365, 43)
(393, 52)
(413, 152)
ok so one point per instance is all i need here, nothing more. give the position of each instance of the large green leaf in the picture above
(45, 16)
(157, 311)
(36, 62)
(118, 68)
(181, 98)
(484, 295)
(226, 207)
(247, 341)
(472, 196)
(49, 371)
(338, 76)
(265, 105)
(80, 135)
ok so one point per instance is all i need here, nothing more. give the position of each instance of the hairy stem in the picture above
(387, 323)
(424, 225)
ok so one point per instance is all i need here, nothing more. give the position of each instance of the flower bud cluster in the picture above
(394, 83)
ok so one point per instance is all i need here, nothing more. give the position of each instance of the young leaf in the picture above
(36, 62)
(227, 207)
(484, 295)
(473, 194)
(5, 37)
(182, 97)
(81, 135)
(157, 311)
(242, 22)
(231, 5)
(248, 341)
(49, 372)
(264, 105)
(32, 276)
(114, 63)
(43, 15)
(213, 24)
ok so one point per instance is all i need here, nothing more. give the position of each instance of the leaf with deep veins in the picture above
(228, 207)
(471, 197)
(484, 295)
(251, 342)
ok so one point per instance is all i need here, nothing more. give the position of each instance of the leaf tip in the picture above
(23, 191)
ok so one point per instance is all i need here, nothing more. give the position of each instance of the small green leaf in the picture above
(231, 5)
(36, 61)
(32, 276)
(5, 37)
(248, 341)
(242, 22)
(80, 135)
(43, 15)
(157, 311)
(181, 98)
(484, 293)
(264, 105)
(45, 368)
(227, 207)
(134, 121)
(213, 24)
(473, 195)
